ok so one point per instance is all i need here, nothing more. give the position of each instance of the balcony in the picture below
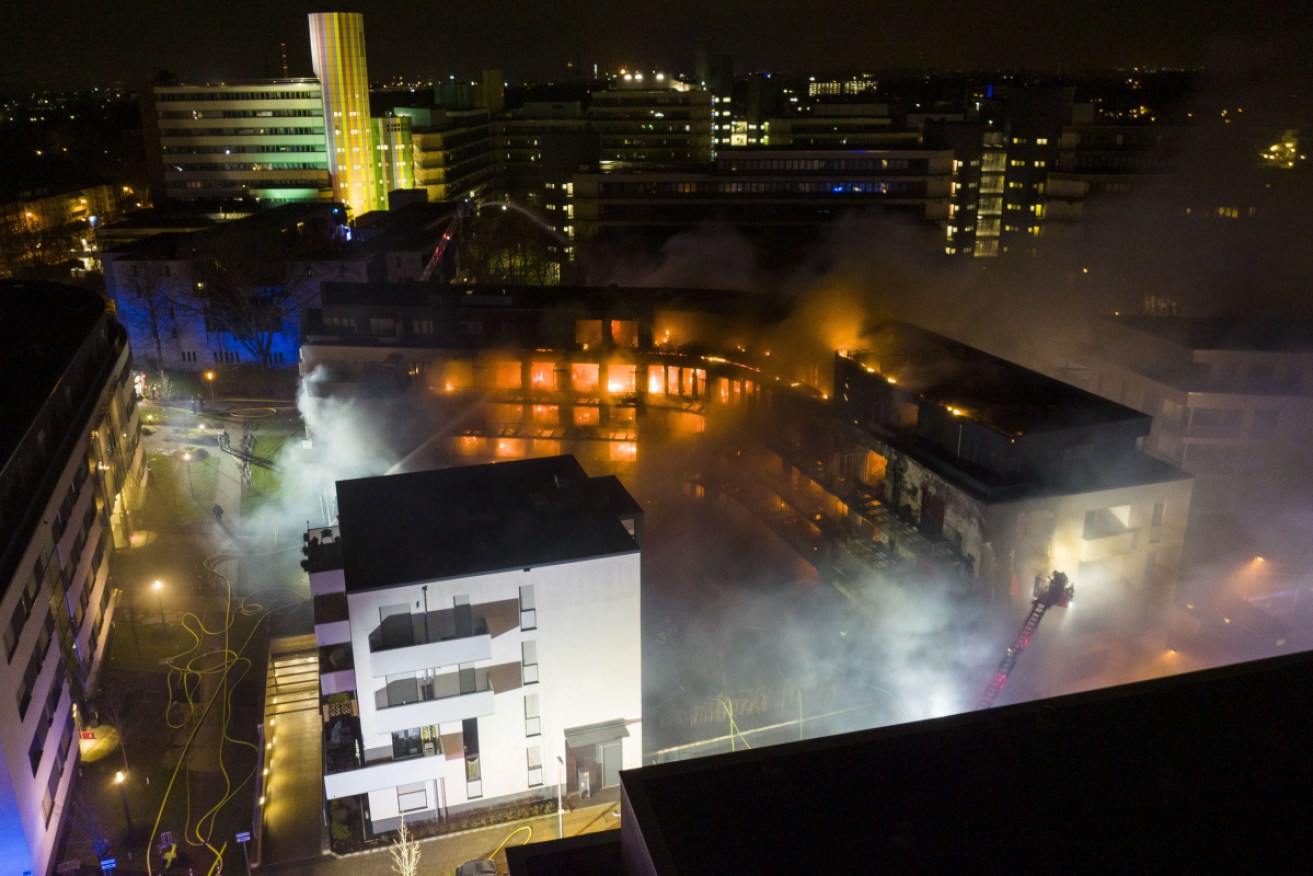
(337, 672)
(380, 775)
(429, 655)
(1100, 547)
(413, 642)
(332, 626)
(409, 703)
(1107, 533)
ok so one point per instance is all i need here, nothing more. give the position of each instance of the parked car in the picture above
(481, 867)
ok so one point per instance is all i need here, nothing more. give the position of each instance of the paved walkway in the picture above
(292, 825)
(442, 855)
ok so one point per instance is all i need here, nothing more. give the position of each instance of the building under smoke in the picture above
(479, 639)
(1012, 474)
(933, 462)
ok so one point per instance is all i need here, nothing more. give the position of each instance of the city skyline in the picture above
(62, 45)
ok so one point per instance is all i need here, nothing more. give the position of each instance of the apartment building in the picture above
(479, 637)
(71, 477)
(533, 371)
(453, 152)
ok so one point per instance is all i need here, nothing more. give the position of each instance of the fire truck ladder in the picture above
(1048, 592)
(462, 211)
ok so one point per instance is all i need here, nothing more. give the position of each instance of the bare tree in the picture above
(148, 305)
(405, 852)
(255, 288)
(122, 707)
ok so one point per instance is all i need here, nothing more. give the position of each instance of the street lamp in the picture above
(560, 810)
(209, 378)
(119, 778)
(186, 457)
(158, 587)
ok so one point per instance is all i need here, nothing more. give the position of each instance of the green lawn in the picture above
(181, 491)
(265, 482)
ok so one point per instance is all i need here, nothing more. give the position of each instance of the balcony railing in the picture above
(466, 704)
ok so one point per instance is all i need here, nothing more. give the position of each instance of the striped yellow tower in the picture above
(337, 49)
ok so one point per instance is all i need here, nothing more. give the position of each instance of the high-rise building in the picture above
(337, 49)
(492, 91)
(71, 472)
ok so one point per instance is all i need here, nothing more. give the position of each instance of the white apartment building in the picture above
(479, 637)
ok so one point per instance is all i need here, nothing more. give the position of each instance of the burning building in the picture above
(478, 630)
(1008, 474)
(536, 371)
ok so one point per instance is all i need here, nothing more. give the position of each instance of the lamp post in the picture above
(119, 778)
(209, 378)
(560, 809)
(186, 458)
(158, 587)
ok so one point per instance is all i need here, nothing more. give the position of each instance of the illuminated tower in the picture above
(337, 50)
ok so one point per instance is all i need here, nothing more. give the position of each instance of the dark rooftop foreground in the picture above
(476, 519)
(590, 854)
(1205, 772)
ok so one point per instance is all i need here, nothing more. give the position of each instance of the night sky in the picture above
(81, 43)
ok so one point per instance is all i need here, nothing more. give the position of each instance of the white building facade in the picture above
(512, 680)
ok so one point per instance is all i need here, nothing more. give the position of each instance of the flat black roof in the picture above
(589, 854)
(1204, 772)
(447, 523)
(994, 392)
(45, 324)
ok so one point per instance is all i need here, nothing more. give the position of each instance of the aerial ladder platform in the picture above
(1055, 590)
(463, 211)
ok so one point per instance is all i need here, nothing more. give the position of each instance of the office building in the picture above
(653, 121)
(782, 195)
(260, 270)
(1231, 400)
(1007, 474)
(237, 146)
(453, 152)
